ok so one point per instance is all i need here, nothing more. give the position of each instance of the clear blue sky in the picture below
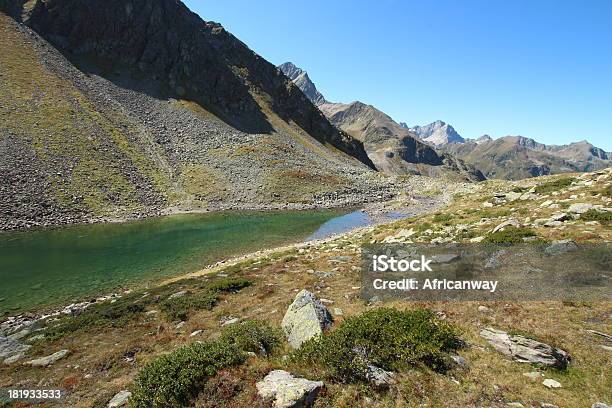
(538, 68)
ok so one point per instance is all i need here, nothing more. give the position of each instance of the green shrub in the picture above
(115, 314)
(178, 308)
(384, 337)
(604, 217)
(252, 335)
(509, 235)
(554, 185)
(443, 218)
(176, 378)
(519, 189)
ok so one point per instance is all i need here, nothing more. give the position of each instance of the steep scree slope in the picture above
(113, 109)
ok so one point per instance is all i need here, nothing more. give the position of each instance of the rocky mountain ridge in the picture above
(393, 148)
(517, 157)
(302, 80)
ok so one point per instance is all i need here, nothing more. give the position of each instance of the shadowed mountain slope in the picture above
(114, 109)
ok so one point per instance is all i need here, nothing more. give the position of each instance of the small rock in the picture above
(560, 217)
(460, 361)
(550, 383)
(509, 223)
(515, 404)
(600, 405)
(230, 321)
(178, 294)
(195, 333)
(288, 391)
(484, 309)
(526, 350)
(379, 377)
(580, 208)
(10, 347)
(534, 375)
(560, 247)
(13, 359)
(120, 399)
(48, 360)
(338, 311)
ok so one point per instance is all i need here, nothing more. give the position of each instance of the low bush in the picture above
(175, 379)
(554, 185)
(604, 217)
(252, 335)
(386, 338)
(510, 235)
(444, 219)
(518, 189)
(178, 308)
(115, 314)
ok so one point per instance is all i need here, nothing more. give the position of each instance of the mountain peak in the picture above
(438, 133)
(302, 80)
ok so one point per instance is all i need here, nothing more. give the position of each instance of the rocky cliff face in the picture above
(301, 79)
(128, 108)
(392, 147)
(437, 133)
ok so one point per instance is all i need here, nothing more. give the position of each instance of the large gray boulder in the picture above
(305, 318)
(526, 350)
(288, 391)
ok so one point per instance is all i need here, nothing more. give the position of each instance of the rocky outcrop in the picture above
(11, 350)
(526, 350)
(287, 391)
(305, 318)
(48, 360)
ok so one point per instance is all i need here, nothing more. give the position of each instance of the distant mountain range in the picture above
(509, 157)
(393, 148)
(517, 157)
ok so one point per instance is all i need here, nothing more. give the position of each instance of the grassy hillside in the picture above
(92, 159)
(141, 329)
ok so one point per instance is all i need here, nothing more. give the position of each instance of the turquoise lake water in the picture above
(57, 266)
